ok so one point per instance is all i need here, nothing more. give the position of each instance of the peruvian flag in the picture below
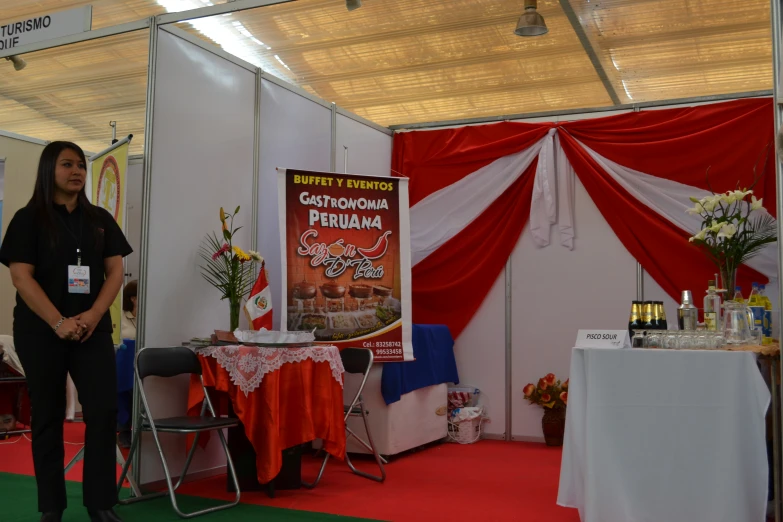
(259, 304)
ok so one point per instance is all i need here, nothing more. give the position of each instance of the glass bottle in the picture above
(738, 295)
(712, 308)
(660, 314)
(647, 315)
(767, 324)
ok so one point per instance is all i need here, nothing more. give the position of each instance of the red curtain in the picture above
(436, 159)
(662, 248)
(450, 284)
(681, 144)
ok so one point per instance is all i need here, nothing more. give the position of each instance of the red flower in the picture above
(225, 248)
(565, 384)
(528, 390)
(542, 384)
(545, 397)
(564, 397)
(550, 379)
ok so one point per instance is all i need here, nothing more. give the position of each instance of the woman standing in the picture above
(65, 256)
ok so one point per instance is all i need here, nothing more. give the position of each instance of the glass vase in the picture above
(728, 280)
(234, 305)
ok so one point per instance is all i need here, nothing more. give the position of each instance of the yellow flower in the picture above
(241, 255)
(222, 215)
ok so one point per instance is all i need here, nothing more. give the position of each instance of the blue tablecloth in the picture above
(124, 357)
(433, 348)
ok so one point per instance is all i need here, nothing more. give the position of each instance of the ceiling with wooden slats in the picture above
(404, 61)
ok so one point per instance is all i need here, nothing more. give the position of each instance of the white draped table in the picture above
(665, 436)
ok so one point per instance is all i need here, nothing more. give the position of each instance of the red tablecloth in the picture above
(298, 403)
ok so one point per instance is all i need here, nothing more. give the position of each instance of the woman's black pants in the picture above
(47, 360)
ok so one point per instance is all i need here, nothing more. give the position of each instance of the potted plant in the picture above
(227, 267)
(552, 395)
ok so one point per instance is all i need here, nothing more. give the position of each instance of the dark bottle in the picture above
(660, 315)
(635, 321)
(647, 316)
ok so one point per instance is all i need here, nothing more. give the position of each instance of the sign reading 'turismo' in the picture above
(46, 27)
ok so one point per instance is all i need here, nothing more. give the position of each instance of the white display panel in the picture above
(369, 150)
(295, 134)
(480, 352)
(555, 292)
(202, 158)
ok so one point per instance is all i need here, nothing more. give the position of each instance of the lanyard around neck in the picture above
(77, 239)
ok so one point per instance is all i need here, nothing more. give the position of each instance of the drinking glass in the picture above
(756, 336)
(687, 341)
(653, 339)
(671, 340)
(735, 320)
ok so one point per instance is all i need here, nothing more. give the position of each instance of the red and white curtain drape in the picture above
(473, 189)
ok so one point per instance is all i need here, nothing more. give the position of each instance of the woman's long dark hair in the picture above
(43, 195)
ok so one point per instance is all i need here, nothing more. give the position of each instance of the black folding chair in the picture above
(170, 362)
(356, 361)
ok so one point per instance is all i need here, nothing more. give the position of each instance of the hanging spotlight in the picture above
(531, 23)
(353, 4)
(19, 64)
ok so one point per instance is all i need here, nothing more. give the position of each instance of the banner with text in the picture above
(346, 260)
(107, 190)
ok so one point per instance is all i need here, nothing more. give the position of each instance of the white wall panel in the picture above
(295, 134)
(369, 150)
(555, 292)
(202, 158)
(480, 352)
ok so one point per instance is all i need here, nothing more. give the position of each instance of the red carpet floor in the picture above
(488, 480)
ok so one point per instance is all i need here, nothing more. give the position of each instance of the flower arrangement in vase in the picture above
(734, 228)
(227, 267)
(552, 395)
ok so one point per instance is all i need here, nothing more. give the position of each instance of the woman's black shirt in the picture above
(27, 241)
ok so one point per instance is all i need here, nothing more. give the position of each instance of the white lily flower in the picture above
(756, 204)
(700, 236)
(696, 210)
(727, 231)
(711, 203)
(255, 256)
(716, 227)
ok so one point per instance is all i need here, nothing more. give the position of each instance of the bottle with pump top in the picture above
(712, 308)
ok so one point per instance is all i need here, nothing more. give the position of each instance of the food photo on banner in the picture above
(346, 260)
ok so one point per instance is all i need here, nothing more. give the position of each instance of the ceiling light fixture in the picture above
(353, 4)
(19, 64)
(531, 23)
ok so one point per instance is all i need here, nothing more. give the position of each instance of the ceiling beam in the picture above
(571, 112)
(588, 47)
(316, 79)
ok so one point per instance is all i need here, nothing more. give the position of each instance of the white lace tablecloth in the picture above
(247, 365)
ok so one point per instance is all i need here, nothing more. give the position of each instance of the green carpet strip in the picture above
(19, 504)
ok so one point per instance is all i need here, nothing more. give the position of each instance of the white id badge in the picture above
(78, 279)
